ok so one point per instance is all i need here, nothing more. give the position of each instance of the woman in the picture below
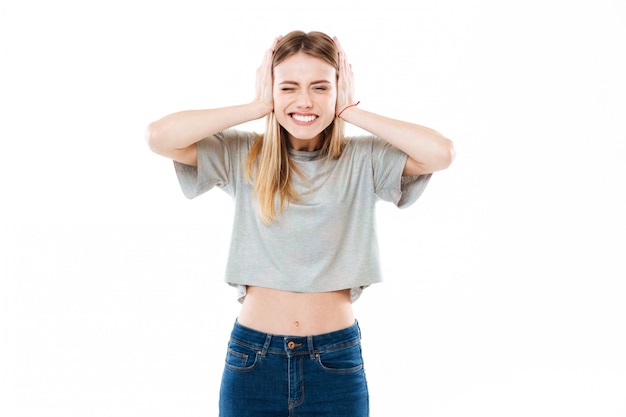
(303, 243)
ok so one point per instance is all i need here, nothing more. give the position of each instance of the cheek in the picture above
(331, 101)
(279, 100)
(332, 97)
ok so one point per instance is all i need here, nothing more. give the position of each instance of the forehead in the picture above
(301, 67)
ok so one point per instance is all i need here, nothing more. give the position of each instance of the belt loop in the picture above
(266, 346)
(309, 341)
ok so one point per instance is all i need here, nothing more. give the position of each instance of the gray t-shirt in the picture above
(325, 242)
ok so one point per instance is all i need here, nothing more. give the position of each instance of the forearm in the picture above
(183, 129)
(429, 150)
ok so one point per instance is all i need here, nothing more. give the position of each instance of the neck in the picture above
(307, 145)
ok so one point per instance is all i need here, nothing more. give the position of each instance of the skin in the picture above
(300, 86)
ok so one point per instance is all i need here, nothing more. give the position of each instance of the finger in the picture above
(342, 53)
(339, 48)
(343, 58)
(267, 58)
(276, 40)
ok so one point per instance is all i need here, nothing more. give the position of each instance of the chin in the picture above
(309, 137)
(302, 133)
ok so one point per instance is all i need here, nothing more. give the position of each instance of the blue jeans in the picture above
(278, 376)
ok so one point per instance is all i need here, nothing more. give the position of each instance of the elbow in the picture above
(440, 157)
(446, 154)
(154, 138)
(449, 153)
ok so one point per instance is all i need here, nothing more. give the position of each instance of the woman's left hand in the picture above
(345, 81)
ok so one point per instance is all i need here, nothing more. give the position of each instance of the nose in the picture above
(303, 100)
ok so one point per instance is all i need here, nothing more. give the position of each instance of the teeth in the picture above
(303, 118)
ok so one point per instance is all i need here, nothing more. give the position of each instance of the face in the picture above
(305, 95)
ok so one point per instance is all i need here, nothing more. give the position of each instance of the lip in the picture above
(305, 119)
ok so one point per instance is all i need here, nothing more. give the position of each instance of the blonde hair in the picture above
(269, 167)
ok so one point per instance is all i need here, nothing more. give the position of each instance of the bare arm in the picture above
(175, 136)
(428, 150)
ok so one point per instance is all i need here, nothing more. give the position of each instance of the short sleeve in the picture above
(214, 163)
(388, 163)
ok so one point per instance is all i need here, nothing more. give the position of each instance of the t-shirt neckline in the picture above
(305, 155)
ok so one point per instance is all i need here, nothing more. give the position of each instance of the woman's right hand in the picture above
(264, 79)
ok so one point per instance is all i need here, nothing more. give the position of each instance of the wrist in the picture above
(260, 108)
(346, 107)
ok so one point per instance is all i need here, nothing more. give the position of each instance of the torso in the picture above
(296, 314)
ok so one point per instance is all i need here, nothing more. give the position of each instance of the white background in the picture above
(504, 285)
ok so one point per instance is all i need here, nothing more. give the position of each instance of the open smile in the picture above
(303, 118)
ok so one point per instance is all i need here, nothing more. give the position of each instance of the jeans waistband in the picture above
(266, 343)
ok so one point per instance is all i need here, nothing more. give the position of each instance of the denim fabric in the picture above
(278, 376)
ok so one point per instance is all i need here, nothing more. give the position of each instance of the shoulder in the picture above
(365, 144)
(229, 141)
(237, 138)
(239, 135)
(361, 143)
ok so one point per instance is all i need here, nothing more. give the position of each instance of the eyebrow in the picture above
(314, 82)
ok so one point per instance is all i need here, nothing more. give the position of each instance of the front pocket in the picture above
(344, 360)
(240, 357)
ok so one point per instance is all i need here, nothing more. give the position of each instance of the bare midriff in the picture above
(296, 314)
